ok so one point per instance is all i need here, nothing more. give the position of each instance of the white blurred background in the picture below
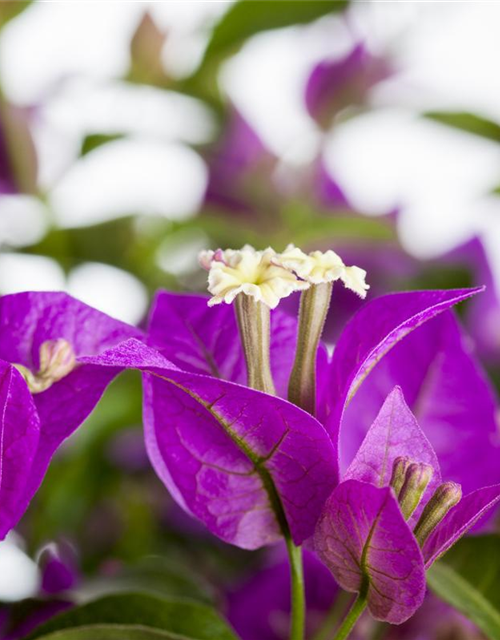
(64, 60)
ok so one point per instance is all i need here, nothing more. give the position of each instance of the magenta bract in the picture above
(247, 464)
(336, 84)
(20, 431)
(232, 499)
(37, 425)
(364, 540)
(205, 340)
(362, 535)
(394, 433)
(459, 520)
(448, 392)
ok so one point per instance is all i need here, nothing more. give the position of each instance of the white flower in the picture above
(248, 271)
(320, 267)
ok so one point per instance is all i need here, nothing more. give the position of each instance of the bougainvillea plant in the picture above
(243, 415)
(252, 466)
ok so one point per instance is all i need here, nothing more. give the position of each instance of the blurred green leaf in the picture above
(305, 225)
(109, 242)
(183, 617)
(129, 242)
(9, 9)
(468, 578)
(248, 17)
(113, 632)
(95, 140)
(296, 222)
(477, 559)
(162, 576)
(469, 122)
(244, 19)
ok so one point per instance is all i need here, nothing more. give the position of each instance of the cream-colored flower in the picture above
(354, 279)
(253, 273)
(320, 267)
(57, 359)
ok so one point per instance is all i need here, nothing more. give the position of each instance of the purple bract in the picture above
(250, 465)
(363, 536)
(34, 426)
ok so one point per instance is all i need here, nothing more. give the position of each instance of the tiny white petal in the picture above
(205, 259)
(354, 279)
(315, 267)
(320, 267)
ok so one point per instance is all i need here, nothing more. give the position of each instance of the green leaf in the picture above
(95, 140)
(164, 576)
(468, 579)
(248, 17)
(113, 632)
(477, 559)
(9, 9)
(244, 19)
(469, 122)
(186, 618)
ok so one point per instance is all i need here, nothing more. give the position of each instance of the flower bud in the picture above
(446, 496)
(417, 477)
(399, 467)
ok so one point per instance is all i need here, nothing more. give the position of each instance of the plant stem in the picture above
(352, 617)
(254, 324)
(334, 615)
(314, 304)
(298, 602)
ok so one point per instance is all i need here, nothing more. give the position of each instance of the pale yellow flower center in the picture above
(57, 360)
(320, 267)
(253, 273)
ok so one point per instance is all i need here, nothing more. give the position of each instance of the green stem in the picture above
(314, 305)
(352, 617)
(298, 610)
(334, 615)
(254, 324)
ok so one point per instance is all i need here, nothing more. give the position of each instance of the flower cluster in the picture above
(268, 276)
(248, 420)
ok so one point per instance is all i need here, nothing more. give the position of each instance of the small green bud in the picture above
(446, 496)
(399, 467)
(417, 477)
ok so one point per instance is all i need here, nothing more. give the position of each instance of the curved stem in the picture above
(334, 615)
(298, 610)
(352, 617)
